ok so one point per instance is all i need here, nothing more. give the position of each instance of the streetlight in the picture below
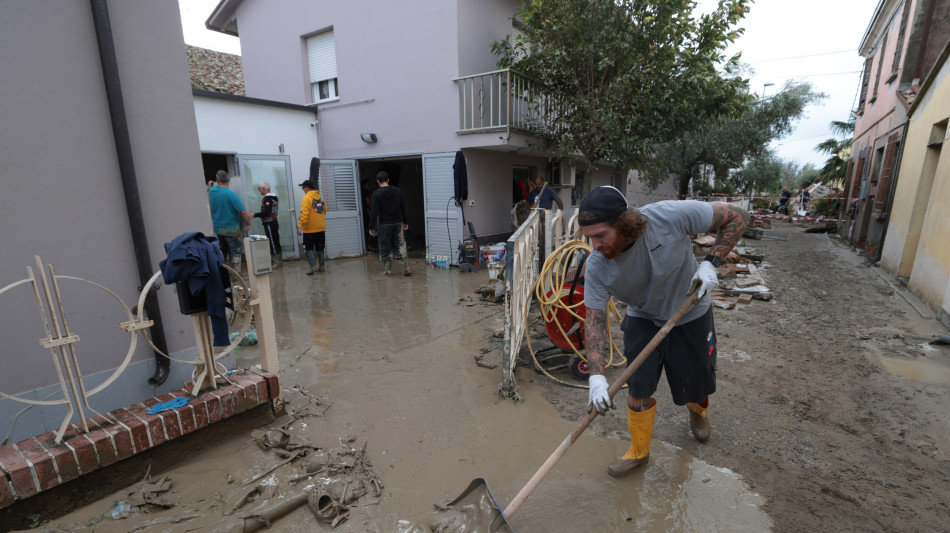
(764, 86)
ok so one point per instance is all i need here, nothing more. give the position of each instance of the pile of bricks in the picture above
(34, 465)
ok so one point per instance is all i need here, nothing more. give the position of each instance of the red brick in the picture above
(254, 390)
(201, 412)
(227, 402)
(6, 494)
(85, 452)
(14, 464)
(213, 405)
(745, 299)
(153, 423)
(273, 383)
(65, 461)
(122, 438)
(171, 424)
(186, 414)
(165, 397)
(43, 465)
(137, 428)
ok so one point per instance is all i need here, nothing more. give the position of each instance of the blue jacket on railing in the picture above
(196, 260)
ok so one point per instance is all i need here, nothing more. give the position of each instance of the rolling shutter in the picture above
(321, 53)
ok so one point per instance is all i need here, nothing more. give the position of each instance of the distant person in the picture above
(227, 214)
(543, 196)
(388, 210)
(805, 198)
(268, 216)
(783, 201)
(312, 224)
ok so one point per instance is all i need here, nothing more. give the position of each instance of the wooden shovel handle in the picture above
(535, 480)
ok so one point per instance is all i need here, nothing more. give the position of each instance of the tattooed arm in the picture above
(595, 339)
(728, 223)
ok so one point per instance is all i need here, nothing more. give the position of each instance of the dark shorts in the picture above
(688, 354)
(315, 241)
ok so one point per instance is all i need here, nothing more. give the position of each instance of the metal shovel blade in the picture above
(478, 497)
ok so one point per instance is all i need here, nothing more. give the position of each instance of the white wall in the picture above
(235, 127)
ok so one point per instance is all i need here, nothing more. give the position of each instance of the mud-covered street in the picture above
(830, 414)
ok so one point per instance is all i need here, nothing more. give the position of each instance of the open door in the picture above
(275, 170)
(340, 185)
(443, 217)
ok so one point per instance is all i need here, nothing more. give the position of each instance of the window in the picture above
(321, 54)
(880, 67)
(900, 41)
(865, 81)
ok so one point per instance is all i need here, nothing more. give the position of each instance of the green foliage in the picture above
(824, 207)
(836, 167)
(728, 142)
(621, 76)
(762, 173)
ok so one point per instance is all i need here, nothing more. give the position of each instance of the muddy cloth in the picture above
(653, 276)
(196, 260)
(388, 207)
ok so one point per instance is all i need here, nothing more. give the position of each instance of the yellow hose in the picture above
(551, 279)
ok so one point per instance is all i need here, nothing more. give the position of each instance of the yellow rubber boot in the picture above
(640, 424)
(698, 423)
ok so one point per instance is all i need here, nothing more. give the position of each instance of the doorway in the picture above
(405, 173)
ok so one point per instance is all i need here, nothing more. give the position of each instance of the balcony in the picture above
(502, 100)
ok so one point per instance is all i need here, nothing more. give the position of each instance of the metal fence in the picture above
(502, 99)
(525, 250)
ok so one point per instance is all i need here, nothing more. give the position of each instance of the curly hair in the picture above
(630, 224)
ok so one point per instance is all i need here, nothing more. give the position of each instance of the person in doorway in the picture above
(784, 199)
(227, 215)
(388, 212)
(644, 257)
(268, 216)
(312, 224)
(543, 196)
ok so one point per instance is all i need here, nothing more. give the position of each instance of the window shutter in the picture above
(321, 53)
(866, 80)
(887, 171)
(848, 177)
(880, 67)
(900, 38)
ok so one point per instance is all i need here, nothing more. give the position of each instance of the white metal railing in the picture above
(524, 250)
(502, 99)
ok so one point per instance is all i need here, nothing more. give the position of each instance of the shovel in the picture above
(499, 522)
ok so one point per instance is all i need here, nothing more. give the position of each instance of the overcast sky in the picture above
(802, 40)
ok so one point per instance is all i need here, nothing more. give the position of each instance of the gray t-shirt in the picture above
(653, 276)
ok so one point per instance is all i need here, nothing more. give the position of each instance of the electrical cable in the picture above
(548, 290)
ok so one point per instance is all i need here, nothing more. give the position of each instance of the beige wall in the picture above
(917, 245)
(62, 192)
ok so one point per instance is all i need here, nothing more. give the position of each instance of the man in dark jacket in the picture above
(388, 212)
(268, 216)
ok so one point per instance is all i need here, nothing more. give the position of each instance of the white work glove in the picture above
(598, 398)
(706, 274)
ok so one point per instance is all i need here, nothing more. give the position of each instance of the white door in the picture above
(443, 217)
(274, 169)
(340, 185)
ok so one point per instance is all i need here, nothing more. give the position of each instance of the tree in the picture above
(619, 77)
(763, 172)
(836, 167)
(727, 143)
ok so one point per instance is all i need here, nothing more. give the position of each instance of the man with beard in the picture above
(644, 258)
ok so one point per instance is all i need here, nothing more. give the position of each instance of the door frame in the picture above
(237, 162)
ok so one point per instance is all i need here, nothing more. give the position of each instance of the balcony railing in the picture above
(502, 100)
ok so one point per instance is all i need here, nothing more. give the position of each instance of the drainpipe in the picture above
(133, 204)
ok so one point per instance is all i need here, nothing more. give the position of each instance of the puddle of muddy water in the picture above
(920, 370)
(394, 355)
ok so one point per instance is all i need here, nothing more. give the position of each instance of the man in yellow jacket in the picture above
(313, 225)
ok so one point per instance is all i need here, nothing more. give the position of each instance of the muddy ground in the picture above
(830, 415)
(830, 402)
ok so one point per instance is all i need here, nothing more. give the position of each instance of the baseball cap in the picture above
(308, 183)
(602, 204)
